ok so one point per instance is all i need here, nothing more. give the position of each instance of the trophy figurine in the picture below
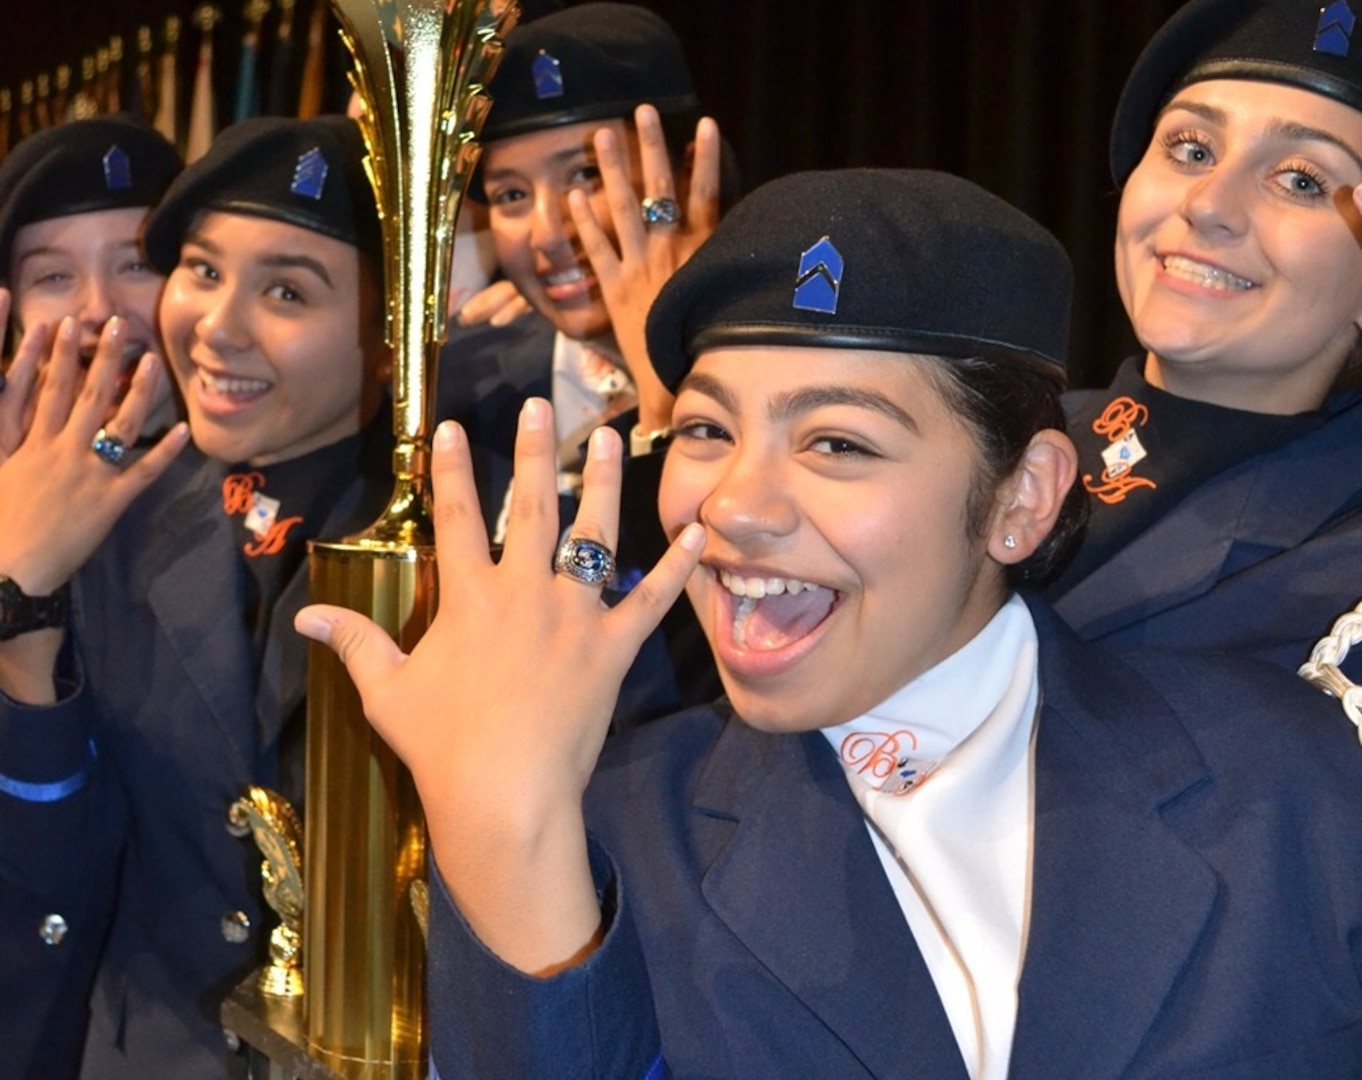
(269, 818)
(420, 68)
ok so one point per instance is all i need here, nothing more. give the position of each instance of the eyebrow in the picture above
(48, 249)
(568, 155)
(800, 402)
(283, 261)
(1288, 130)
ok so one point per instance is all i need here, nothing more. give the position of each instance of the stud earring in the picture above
(1009, 541)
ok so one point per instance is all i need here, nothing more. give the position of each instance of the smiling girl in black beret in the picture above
(147, 661)
(927, 832)
(1223, 461)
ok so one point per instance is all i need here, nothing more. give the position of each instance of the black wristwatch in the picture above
(21, 613)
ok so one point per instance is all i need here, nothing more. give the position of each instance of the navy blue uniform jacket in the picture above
(1259, 560)
(180, 728)
(1196, 903)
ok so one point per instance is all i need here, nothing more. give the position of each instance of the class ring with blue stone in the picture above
(660, 211)
(585, 561)
(109, 447)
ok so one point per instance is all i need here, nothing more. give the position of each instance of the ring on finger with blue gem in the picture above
(109, 447)
(585, 561)
(661, 211)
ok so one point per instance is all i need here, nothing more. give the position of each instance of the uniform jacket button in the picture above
(236, 927)
(52, 929)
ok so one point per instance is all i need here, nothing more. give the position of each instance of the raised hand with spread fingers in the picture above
(655, 234)
(502, 764)
(64, 478)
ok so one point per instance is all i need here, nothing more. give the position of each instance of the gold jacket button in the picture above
(236, 927)
(52, 929)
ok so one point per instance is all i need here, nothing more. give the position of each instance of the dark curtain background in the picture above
(1017, 96)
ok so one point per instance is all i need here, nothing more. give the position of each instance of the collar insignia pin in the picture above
(309, 176)
(548, 76)
(1335, 32)
(820, 278)
(117, 169)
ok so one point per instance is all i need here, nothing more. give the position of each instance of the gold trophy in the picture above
(269, 818)
(421, 68)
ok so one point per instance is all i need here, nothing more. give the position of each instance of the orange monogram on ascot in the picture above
(876, 754)
(273, 541)
(238, 489)
(1117, 423)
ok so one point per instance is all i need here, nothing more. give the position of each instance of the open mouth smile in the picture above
(775, 613)
(1205, 275)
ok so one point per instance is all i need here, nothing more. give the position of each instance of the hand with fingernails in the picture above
(498, 304)
(655, 236)
(501, 709)
(63, 484)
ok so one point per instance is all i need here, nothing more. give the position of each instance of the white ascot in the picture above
(589, 389)
(943, 772)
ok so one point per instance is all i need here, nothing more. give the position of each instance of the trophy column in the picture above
(420, 68)
(364, 914)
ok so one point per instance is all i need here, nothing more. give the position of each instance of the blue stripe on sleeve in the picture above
(53, 792)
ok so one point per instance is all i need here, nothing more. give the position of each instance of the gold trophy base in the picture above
(281, 982)
(363, 948)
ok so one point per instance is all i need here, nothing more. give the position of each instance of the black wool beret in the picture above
(895, 260)
(105, 163)
(588, 62)
(308, 173)
(1309, 44)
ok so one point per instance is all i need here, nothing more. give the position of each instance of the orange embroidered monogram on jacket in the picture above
(241, 495)
(1118, 423)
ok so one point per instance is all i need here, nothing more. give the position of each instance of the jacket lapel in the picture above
(1119, 901)
(201, 579)
(799, 883)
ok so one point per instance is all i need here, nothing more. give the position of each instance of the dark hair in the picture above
(1006, 404)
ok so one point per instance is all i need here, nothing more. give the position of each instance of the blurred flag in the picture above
(84, 104)
(167, 120)
(42, 114)
(24, 121)
(203, 119)
(314, 69)
(142, 87)
(6, 109)
(247, 82)
(281, 64)
(61, 94)
(113, 85)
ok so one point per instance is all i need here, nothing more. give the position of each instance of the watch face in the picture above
(22, 614)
